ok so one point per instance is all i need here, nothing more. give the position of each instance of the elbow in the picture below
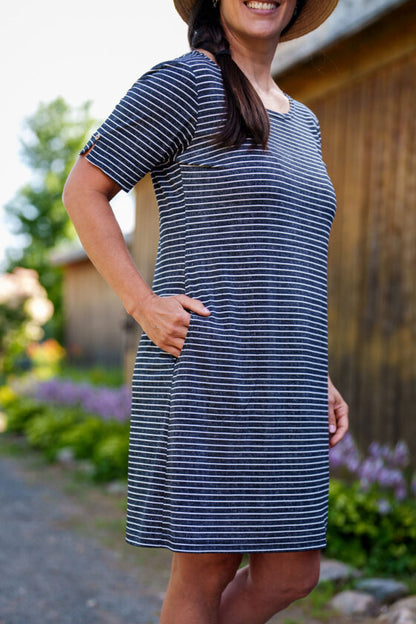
(67, 192)
(70, 193)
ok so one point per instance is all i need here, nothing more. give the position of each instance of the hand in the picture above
(338, 415)
(165, 320)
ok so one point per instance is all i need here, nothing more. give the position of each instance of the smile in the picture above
(262, 6)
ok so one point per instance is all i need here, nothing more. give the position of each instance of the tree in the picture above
(52, 138)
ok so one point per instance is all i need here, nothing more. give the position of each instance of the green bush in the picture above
(45, 432)
(370, 530)
(110, 457)
(49, 428)
(21, 411)
(84, 436)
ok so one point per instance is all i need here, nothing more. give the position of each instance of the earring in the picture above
(215, 3)
(295, 10)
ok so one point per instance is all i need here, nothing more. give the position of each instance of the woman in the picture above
(229, 433)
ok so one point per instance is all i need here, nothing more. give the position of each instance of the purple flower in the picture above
(109, 403)
(401, 457)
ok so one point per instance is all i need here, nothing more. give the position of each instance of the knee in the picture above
(287, 588)
(303, 587)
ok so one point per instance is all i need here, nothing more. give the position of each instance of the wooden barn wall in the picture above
(94, 331)
(367, 114)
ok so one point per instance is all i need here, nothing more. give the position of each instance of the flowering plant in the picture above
(109, 403)
(372, 507)
(46, 357)
(385, 469)
(24, 309)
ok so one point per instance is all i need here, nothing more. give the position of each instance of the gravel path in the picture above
(51, 573)
(63, 555)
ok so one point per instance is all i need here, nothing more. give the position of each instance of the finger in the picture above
(337, 437)
(193, 304)
(172, 349)
(342, 426)
(332, 422)
(176, 345)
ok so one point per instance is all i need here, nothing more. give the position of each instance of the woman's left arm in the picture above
(338, 415)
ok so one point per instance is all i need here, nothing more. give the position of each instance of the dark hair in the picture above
(246, 116)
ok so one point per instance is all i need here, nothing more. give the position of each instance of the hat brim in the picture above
(313, 14)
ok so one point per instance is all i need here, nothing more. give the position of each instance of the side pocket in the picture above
(188, 334)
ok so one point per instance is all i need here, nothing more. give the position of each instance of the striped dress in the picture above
(229, 442)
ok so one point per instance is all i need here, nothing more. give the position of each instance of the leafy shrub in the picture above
(83, 437)
(370, 529)
(45, 431)
(21, 411)
(49, 427)
(111, 456)
(7, 396)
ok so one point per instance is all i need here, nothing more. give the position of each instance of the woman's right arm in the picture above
(86, 197)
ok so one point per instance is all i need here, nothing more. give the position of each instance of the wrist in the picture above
(138, 305)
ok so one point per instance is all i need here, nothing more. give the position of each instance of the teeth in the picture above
(266, 6)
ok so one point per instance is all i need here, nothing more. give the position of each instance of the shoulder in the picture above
(188, 66)
(308, 116)
(170, 85)
(192, 70)
(307, 113)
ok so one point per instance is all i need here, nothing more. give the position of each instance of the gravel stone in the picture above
(384, 590)
(65, 456)
(401, 612)
(355, 603)
(337, 572)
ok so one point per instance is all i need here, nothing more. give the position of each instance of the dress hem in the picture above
(161, 544)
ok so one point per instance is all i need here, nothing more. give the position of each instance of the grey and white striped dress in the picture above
(228, 442)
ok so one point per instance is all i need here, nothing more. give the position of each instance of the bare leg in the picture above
(267, 585)
(195, 587)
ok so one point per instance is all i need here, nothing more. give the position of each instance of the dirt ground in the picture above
(64, 558)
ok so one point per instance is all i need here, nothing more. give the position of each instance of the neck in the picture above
(254, 58)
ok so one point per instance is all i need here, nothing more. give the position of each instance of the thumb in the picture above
(194, 305)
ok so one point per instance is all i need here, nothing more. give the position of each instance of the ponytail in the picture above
(246, 116)
(245, 113)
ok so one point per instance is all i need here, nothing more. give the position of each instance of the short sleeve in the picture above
(152, 123)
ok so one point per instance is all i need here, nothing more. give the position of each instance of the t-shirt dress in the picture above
(228, 443)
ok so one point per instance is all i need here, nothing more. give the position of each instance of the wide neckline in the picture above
(269, 110)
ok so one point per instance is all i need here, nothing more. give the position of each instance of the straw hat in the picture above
(312, 15)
